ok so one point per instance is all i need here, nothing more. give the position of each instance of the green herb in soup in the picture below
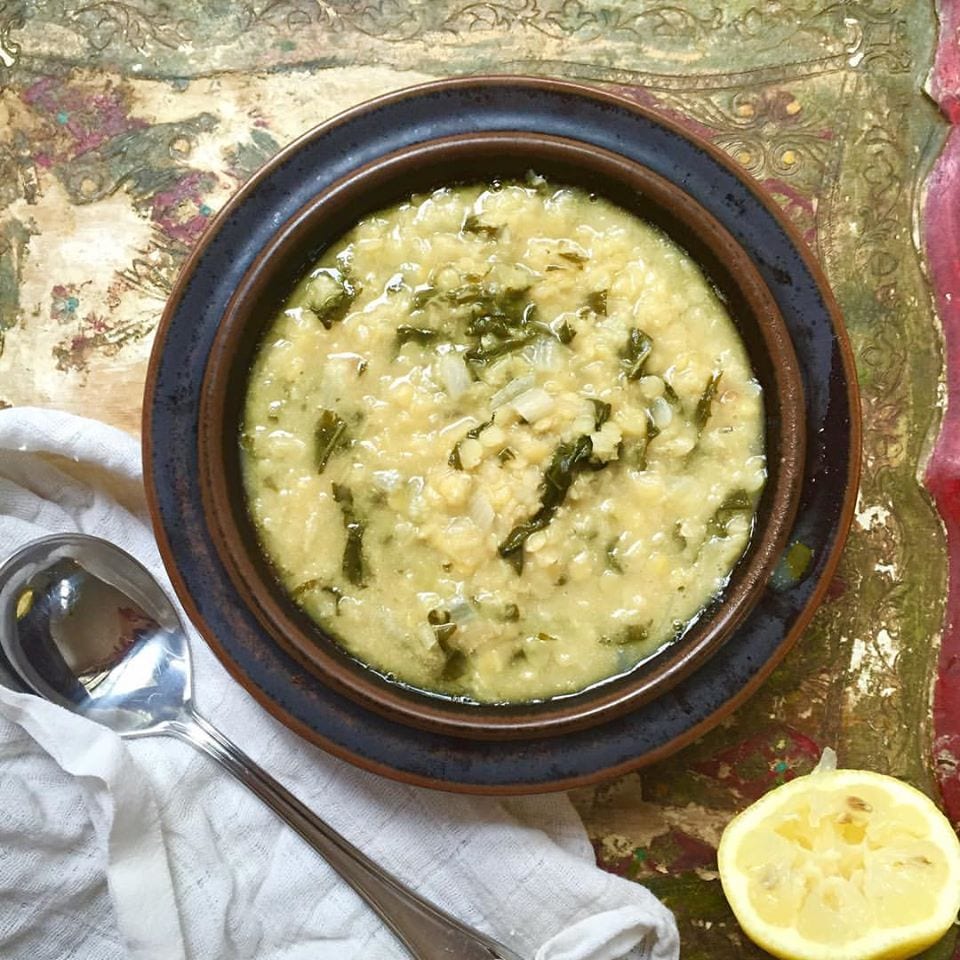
(503, 442)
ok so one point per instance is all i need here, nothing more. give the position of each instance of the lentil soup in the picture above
(503, 442)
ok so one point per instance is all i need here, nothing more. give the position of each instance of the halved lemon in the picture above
(842, 865)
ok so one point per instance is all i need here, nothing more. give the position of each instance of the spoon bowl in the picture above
(85, 625)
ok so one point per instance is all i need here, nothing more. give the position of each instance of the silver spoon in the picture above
(86, 626)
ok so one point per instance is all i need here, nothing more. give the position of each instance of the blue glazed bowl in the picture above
(198, 362)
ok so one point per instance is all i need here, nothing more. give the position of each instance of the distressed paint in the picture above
(942, 239)
(125, 126)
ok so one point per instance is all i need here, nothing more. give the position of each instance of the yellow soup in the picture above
(503, 442)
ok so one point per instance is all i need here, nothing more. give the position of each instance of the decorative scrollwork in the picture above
(768, 130)
(13, 16)
(107, 21)
(880, 214)
(388, 20)
(285, 16)
(576, 19)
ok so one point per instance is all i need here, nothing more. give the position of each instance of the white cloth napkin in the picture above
(147, 850)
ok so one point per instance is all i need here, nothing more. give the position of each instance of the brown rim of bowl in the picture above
(390, 179)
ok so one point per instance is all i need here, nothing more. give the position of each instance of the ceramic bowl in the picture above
(388, 179)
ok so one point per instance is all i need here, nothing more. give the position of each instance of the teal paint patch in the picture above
(139, 160)
(246, 158)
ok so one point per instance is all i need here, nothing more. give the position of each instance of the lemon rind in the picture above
(883, 944)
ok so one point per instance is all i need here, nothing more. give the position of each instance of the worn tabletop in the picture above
(124, 126)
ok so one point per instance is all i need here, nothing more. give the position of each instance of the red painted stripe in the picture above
(942, 242)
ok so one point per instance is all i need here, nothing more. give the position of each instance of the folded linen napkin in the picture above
(147, 850)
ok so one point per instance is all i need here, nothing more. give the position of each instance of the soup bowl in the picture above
(478, 156)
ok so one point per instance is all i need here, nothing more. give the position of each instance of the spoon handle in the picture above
(428, 932)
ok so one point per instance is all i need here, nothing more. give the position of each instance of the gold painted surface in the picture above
(124, 126)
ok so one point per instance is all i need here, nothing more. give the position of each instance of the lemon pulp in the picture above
(842, 864)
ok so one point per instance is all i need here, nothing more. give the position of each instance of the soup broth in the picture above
(503, 441)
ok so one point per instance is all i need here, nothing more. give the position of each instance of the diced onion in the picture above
(661, 412)
(386, 480)
(471, 453)
(454, 374)
(510, 390)
(533, 404)
(461, 611)
(280, 443)
(481, 512)
(544, 354)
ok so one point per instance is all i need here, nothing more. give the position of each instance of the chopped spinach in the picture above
(306, 587)
(352, 565)
(613, 558)
(473, 224)
(337, 595)
(329, 435)
(702, 414)
(630, 634)
(487, 324)
(597, 302)
(636, 353)
(564, 332)
(653, 431)
(329, 295)
(421, 335)
(735, 502)
(483, 353)
(503, 320)
(633, 452)
(601, 412)
(454, 459)
(422, 295)
(568, 459)
(455, 661)
(510, 613)
(314, 584)
(442, 627)
(678, 537)
(472, 293)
